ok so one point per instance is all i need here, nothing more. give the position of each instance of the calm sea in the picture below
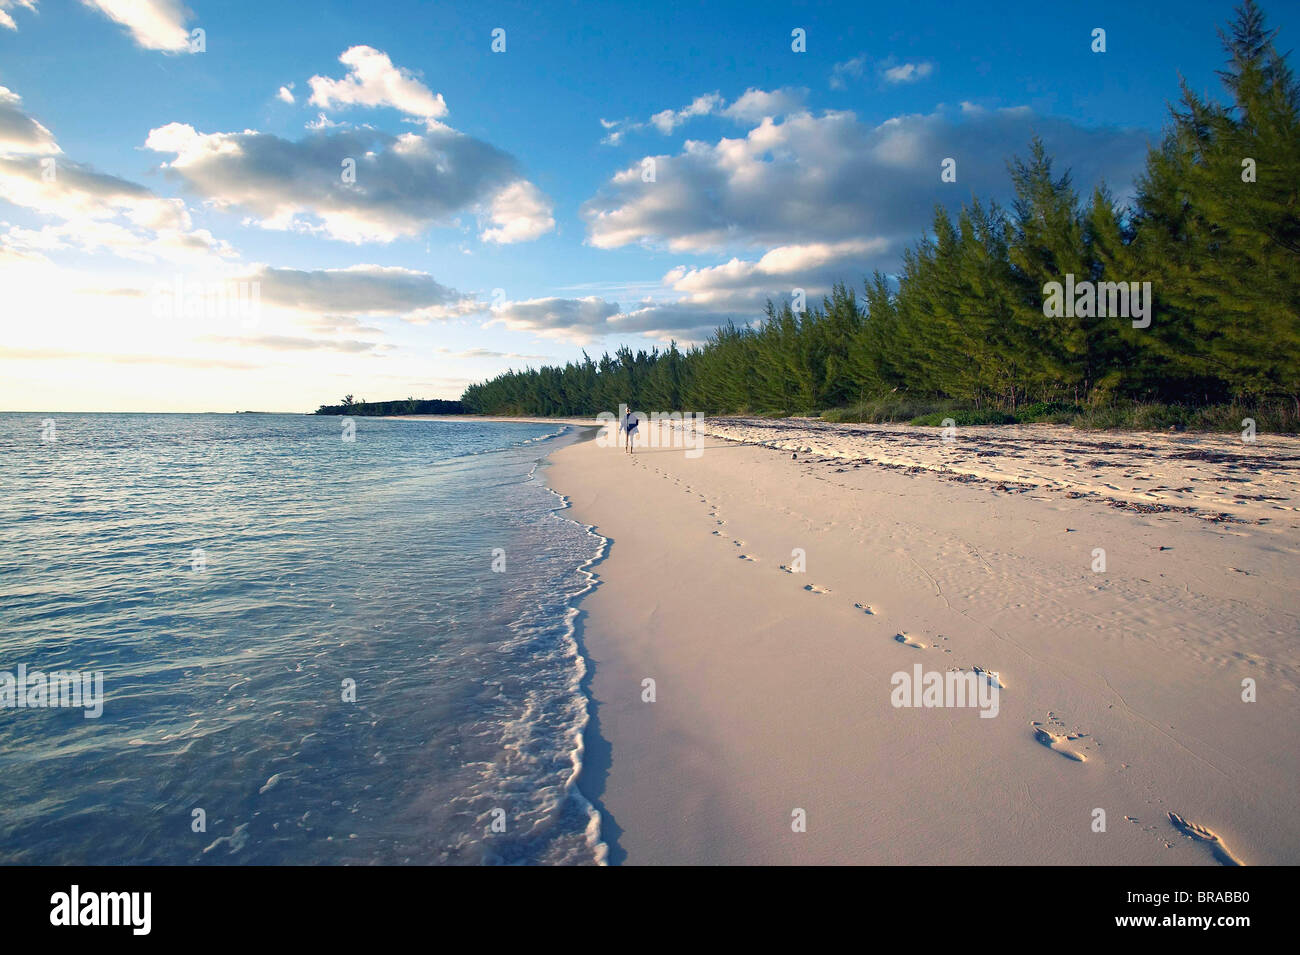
(308, 655)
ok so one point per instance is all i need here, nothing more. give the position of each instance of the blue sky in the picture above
(500, 215)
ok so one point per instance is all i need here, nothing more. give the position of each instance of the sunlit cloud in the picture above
(399, 186)
(6, 18)
(751, 106)
(20, 133)
(154, 24)
(830, 178)
(372, 80)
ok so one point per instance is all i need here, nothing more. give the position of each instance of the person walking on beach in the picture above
(629, 425)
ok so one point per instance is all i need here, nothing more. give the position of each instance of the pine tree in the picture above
(1222, 250)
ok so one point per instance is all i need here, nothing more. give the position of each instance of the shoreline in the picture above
(600, 845)
(773, 688)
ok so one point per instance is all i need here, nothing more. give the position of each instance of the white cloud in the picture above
(616, 137)
(753, 105)
(578, 320)
(889, 71)
(373, 80)
(690, 302)
(907, 72)
(747, 285)
(99, 212)
(827, 198)
(285, 95)
(403, 184)
(197, 246)
(19, 133)
(324, 122)
(667, 120)
(6, 18)
(154, 24)
(79, 193)
(373, 290)
(95, 211)
(299, 343)
(841, 73)
(520, 213)
(830, 178)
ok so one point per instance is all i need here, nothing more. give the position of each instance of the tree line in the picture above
(351, 407)
(1214, 227)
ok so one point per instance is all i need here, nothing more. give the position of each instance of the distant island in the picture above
(403, 406)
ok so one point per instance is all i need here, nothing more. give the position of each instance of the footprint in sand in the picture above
(865, 608)
(1210, 838)
(739, 543)
(747, 557)
(717, 533)
(909, 641)
(1059, 743)
(814, 589)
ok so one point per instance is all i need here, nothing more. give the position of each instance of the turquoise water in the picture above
(229, 574)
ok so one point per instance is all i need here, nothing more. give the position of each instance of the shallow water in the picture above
(225, 672)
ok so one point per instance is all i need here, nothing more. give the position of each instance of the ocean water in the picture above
(231, 576)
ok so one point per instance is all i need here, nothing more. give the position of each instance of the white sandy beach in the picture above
(1122, 688)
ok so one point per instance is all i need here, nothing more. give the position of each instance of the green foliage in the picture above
(1226, 251)
(965, 416)
(961, 330)
(1047, 412)
(371, 409)
(885, 409)
(1276, 417)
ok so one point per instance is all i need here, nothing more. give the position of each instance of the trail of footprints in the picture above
(1050, 733)
(906, 639)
